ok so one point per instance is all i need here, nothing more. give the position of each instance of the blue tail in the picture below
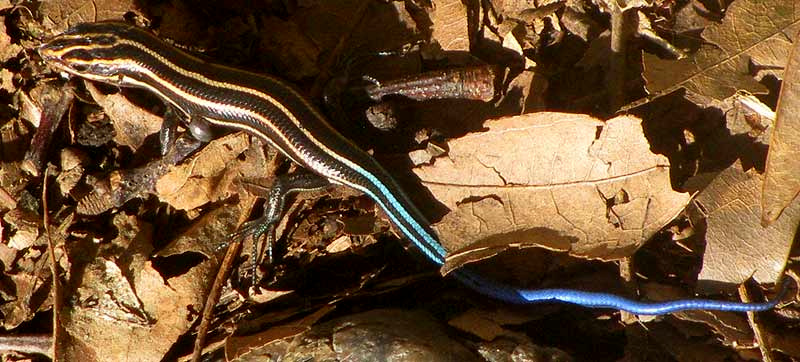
(606, 300)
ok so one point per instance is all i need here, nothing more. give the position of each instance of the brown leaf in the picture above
(379, 335)
(8, 50)
(206, 177)
(290, 50)
(450, 29)
(209, 231)
(561, 181)
(272, 341)
(782, 176)
(737, 245)
(63, 14)
(752, 31)
(385, 27)
(125, 299)
(672, 344)
(132, 124)
(488, 325)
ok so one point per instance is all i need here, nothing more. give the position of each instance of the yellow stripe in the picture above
(229, 86)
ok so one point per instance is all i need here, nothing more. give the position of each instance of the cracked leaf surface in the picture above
(561, 181)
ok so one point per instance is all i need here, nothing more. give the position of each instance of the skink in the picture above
(272, 110)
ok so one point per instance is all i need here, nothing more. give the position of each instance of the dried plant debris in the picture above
(496, 116)
(781, 180)
(122, 297)
(754, 35)
(599, 196)
(737, 246)
(379, 335)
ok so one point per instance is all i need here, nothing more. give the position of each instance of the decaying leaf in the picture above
(7, 50)
(737, 245)
(782, 176)
(753, 32)
(450, 25)
(63, 14)
(561, 181)
(379, 335)
(131, 123)
(206, 177)
(125, 299)
(273, 341)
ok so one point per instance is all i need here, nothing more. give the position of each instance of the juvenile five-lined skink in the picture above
(272, 110)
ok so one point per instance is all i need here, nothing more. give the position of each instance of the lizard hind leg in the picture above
(275, 202)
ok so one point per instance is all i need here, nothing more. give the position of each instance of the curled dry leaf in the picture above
(782, 177)
(565, 182)
(737, 246)
(753, 31)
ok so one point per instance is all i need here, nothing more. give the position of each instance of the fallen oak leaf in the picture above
(565, 182)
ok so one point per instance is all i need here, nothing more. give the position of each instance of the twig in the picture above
(213, 296)
(763, 343)
(51, 249)
(33, 343)
(621, 25)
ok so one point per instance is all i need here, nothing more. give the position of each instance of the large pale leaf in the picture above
(562, 181)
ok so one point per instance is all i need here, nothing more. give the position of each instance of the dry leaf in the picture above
(450, 29)
(64, 14)
(206, 177)
(271, 341)
(290, 50)
(126, 299)
(379, 335)
(132, 124)
(517, 348)
(489, 325)
(8, 49)
(210, 231)
(691, 17)
(384, 27)
(737, 245)
(782, 176)
(562, 181)
(757, 31)
(673, 345)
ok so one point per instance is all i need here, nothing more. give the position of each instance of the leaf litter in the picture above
(546, 165)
